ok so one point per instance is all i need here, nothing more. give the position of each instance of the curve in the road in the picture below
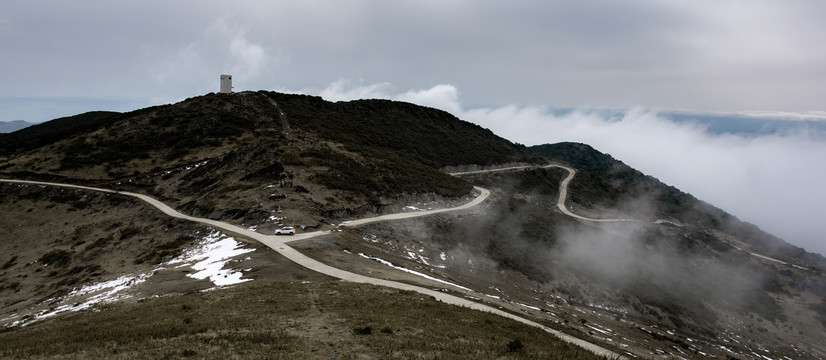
(563, 191)
(285, 250)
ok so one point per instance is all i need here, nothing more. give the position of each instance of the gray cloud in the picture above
(772, 180)
(707, 55)
(511, 61)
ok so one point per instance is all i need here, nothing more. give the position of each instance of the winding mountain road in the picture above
(563, 191)
(279, 244)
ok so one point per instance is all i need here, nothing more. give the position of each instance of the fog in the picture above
(631, 258)
(773, 180)
(683, 272)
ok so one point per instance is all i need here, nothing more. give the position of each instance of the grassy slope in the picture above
(43, 134)
(308, 320)
(341, 158)
(629, 275)
(57, 239)
(603, 180)
(364, 150)
(243, 137)
(429, 136)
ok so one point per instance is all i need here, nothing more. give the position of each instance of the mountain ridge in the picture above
(14, 125)
(250, 157)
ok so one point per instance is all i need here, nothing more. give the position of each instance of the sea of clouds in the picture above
(773, 179)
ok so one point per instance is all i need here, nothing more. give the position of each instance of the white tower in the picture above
(226, 84)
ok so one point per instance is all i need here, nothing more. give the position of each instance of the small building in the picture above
(226, 84)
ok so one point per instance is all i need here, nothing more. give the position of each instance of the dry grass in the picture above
(308, 320)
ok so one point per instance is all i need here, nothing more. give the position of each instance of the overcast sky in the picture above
(502, 64)
(697, 55)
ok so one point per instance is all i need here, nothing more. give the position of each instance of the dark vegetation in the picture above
(605, 181)
(377, 127)
(40, 135)
(377, 178)
(402, 145)
(165, 250)
(172, 131)
(259, 322)
(381, 149)
(56, 258)
(359, 155)
(677, 276)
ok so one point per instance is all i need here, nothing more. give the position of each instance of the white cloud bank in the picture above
(774, 181)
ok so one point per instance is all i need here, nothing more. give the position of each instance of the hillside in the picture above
(606, 183)
(670, 276)
(242, 143)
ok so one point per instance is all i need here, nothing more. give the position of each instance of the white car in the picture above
(287, 230)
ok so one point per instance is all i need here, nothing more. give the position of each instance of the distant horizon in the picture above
(706, 55)
(762, 170)
(36, 110)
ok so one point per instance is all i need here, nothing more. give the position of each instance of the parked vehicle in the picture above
(287, 230)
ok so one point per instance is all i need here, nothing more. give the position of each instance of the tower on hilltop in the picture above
(226, 84)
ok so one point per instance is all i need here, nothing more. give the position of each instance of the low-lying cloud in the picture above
(773, 180)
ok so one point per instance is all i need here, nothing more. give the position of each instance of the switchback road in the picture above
(285, 250)
(563, 191)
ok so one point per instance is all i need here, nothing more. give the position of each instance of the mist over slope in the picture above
(684, 288)
(742, 164)
(263, 159)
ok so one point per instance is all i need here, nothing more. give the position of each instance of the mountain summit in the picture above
(561, 235)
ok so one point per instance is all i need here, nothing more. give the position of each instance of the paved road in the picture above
(279, 245)
(563, 191)
(483, 194)
(563, 197)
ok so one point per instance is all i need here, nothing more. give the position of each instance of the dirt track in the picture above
(279, 244)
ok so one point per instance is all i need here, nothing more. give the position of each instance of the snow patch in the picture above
(104, 292)
(604, 332)
(529, 306)
(209, 258)
(385, 262)
(195, 166)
